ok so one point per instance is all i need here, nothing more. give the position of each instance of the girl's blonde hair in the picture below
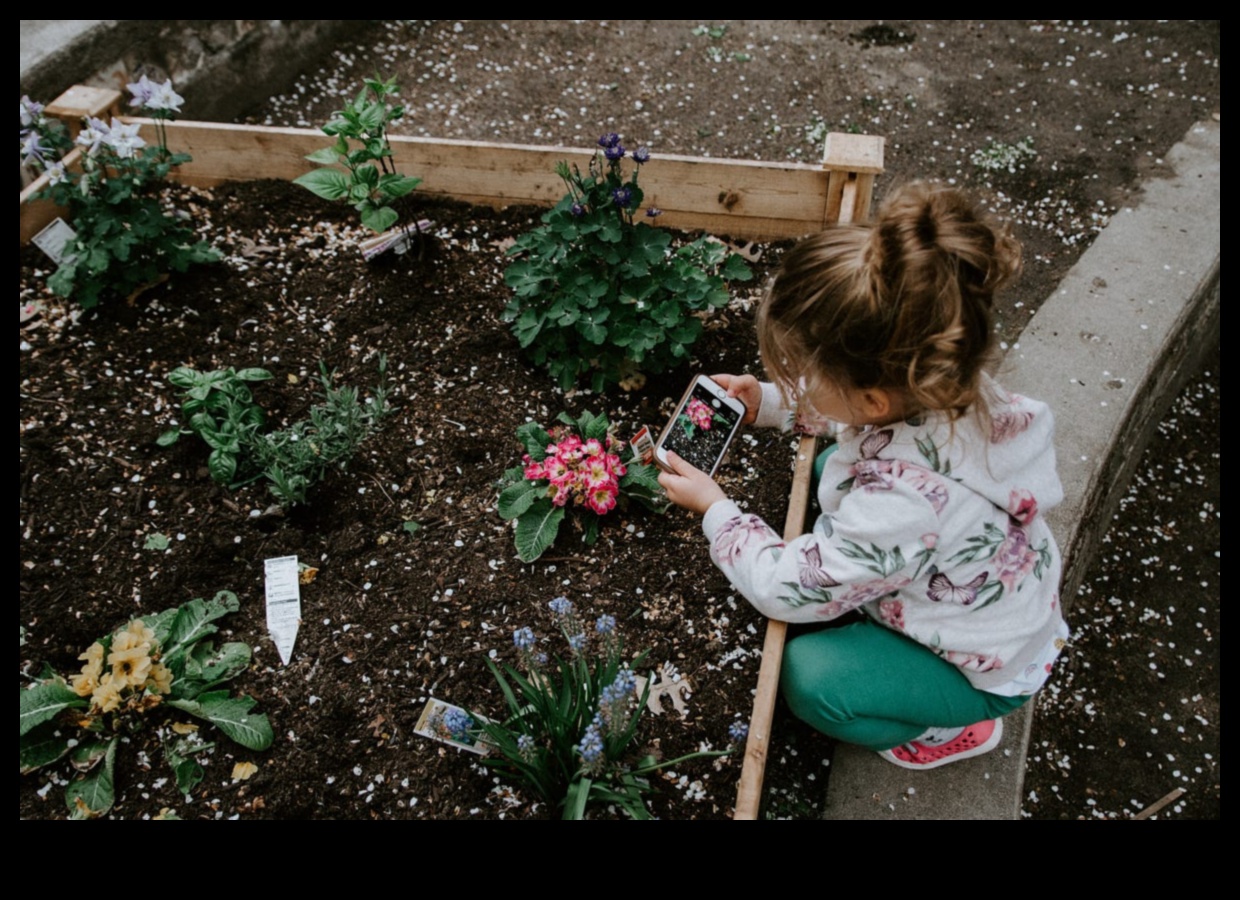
(902, 303)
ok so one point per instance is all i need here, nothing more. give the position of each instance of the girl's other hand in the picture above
(747, 388)
(689, 487)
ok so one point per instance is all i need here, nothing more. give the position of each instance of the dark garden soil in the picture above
(392, 617)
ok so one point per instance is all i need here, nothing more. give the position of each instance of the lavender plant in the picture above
(139, 672)
(572, 721)
(369, 180)
(598, 294)
(126, 237)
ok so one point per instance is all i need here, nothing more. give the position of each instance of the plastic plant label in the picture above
(431, 725)
(53, 238)
(283, 603)
(643, 446)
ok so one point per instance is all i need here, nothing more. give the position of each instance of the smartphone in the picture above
(705, 421)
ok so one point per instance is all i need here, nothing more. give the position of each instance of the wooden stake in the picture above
(1150, 810)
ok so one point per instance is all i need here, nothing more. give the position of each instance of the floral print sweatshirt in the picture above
(934, 532)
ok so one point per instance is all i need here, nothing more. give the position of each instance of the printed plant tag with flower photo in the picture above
(448, 724)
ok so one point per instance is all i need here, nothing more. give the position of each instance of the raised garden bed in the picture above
(418, 580)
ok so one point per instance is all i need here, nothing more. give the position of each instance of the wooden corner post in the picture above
(852, 161)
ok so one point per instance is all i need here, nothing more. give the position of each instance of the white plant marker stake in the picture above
(283, 603)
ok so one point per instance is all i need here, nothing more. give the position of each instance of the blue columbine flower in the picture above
(653, 212)
(641, 155)
(615, 153)
(561, 606)
(609, 140)
(605, 624)
(577, 210)
(623, 196)
(738, 731)
(523, 638)
(457, 723)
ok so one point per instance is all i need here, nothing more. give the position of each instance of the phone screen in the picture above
(700, 432)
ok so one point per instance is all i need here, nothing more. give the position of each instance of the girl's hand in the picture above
(689, 487)
(745, 387)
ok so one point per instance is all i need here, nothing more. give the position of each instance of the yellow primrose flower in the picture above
(107, 695)
(139, 630)
(84, 685)
(160, 679)
(130, 666)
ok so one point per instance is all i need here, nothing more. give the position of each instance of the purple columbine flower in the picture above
(615, 152)
(577, 210)
(141, 91)
(31, 148)
(641, 155)
(28, 111)
(653, 212)
(622, 197)
(609, 140)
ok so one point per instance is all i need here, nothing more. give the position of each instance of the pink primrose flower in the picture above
(602, 499)
(593, 447)
(699, 414)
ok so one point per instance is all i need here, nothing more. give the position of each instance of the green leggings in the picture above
(868, 685)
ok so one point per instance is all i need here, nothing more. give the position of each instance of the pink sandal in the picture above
(973, 741)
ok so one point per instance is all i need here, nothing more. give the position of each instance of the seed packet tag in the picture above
(397, 240)
(430, 725)
(643, 446)
(53, 238)
(283, 603)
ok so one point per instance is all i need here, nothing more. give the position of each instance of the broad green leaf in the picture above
(735, 269)
(92, 796)
(222, 465)
(193, 621)
(330, 184)
(254, 374)
(179, 751)
(397, 185)
(169, 437)
(412, 527)
(86, 755)
(232, 716)
(40, 746)
(536, 530)
(535, 439)
(379, 218)
(42, 702)
(156, 541)
(325, 156)
(209, 666)
(517, 498)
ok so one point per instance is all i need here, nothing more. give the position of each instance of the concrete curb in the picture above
(1109, 351)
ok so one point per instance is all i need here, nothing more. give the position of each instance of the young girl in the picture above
(932, 499)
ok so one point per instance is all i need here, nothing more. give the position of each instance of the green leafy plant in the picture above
(126, 237)
(998, 156)
(570, 723)
(222, 411)
(131, 677)
(369, 179)
(598, 295)
(575, 466)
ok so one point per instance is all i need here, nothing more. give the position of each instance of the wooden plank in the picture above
(749, 789)
(745, 198)
(848, 193)
(80, 102)
(860, 153)
(33, 215)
